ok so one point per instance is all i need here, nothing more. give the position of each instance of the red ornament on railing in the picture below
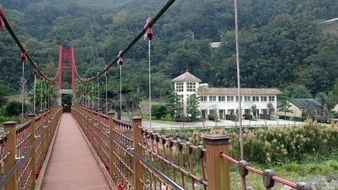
(120, 187)
(23, 55)
(149, 31)
(106, 70)
(35, 70)
(2, 16)
(120, 58)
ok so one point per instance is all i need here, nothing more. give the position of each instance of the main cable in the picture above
(21, 46)
(154, 19)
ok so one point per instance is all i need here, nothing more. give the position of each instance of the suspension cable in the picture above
(34, 92)
(106, 107)
(120, 63)
(23, 86)
(149, 36)
(21, 46)
(238, 83)
(98, 93)
(154, 19)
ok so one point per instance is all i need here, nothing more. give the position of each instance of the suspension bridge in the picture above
(91, 149)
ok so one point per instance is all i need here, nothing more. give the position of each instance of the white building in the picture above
(224, 101)
(186, 85)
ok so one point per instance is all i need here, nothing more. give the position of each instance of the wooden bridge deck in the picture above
(72, 165)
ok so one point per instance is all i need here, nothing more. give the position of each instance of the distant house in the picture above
(215, 45)
(224, 101)
(300, 106)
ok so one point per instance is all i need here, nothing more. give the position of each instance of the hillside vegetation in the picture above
(283, 43)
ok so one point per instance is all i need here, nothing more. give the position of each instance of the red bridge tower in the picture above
(66, 55)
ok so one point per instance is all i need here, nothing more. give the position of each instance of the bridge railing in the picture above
(138, 158)
(23, 149)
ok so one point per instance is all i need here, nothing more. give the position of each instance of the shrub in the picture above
(280, 144)
(158, 111)
(248, 116)
(212, 117)
(230, 117)
(13, 108)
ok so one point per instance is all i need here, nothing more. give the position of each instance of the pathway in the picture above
(72, 165)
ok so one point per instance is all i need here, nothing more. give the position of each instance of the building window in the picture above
(247, 111)
(179, 87)
(204, 98)
(230, 111)
(180, 97)
(230, 98)
(271, 98)
(264, 99)
(247, 98)
(255, 98)
(237, 98)
(213, 112)
(221, 98)
(191, 86)
(212, 98)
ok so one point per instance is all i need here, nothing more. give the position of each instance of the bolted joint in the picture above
(268, 182)
(200, 151)
(120, 58)
(303, 186)
(242, 168)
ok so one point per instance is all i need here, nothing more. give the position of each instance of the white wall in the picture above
(234, 104)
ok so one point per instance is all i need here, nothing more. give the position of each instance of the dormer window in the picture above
(179, 87)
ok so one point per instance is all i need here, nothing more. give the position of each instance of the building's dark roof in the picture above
(303, 103)
(186, 77)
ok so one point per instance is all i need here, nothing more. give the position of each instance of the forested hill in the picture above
(284, 43)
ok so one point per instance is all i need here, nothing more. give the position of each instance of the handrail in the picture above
(155, 148)
(23, 152)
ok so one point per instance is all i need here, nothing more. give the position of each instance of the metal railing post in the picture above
(137, 139)
(10, 147)
(112, 144)
(31, 117)
(218, 173)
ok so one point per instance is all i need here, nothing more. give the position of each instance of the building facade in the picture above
(224, 101)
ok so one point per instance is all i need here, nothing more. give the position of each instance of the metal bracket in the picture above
(242, 168)
(303, 186)
(37, 136)
(267, 178)
(19, 158)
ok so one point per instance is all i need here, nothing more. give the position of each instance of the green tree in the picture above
(335, 90)
(254, 110)
(5, 90)
(174, 106)
(286, 107)
(192, 107)
(300, 91)
(271, 110)
(158, 111)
